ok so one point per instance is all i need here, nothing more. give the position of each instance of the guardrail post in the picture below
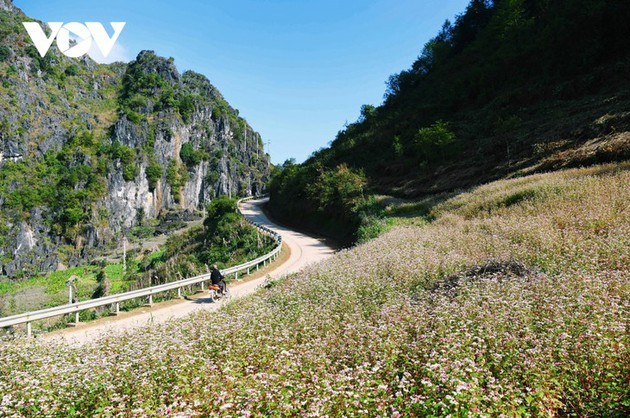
(74, 306)
(179, 292)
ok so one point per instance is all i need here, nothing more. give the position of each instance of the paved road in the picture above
(304, 250)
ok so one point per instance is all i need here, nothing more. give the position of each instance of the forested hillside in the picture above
(509, 88)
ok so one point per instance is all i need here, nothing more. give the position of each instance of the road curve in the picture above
(304, 250)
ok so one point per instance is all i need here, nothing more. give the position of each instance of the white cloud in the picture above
(118, 53)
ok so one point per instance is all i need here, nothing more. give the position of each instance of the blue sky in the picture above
(297, 70)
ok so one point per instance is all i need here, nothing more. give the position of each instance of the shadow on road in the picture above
(199, 301)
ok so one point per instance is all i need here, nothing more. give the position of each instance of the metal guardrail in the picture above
(115, 300)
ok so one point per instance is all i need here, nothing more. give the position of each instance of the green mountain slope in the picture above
(88, 151)
(509, 88)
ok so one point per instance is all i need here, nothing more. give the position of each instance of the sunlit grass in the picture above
(426, 320)
(55, 289)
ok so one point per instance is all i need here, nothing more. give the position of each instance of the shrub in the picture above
(431, 142)
(153, 173)
(142, 231)
(174, 180)
(216, 113)
(186, 107)
(372, 227)
(127, 157)
(190, 156)
(72, 69)
(5, 53)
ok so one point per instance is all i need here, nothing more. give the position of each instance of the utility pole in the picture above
(268, 143)
(71, 283)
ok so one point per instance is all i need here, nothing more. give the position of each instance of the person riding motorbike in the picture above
(218, 279)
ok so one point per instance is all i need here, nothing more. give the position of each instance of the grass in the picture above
(510, 299)
(50, 289)
(53, 282)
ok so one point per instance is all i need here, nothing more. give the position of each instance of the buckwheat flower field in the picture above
(512, 301)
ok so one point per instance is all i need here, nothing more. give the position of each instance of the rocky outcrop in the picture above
(133, 121)
(31, 248)
(236, 168)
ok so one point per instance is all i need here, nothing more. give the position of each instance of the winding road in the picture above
(304, 250)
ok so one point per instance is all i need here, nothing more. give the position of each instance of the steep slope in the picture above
(509, 88)
(88, 151)
(512, 302)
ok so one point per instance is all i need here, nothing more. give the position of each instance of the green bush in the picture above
(174, 179)
(154, 173)
(142, 231)
(186, 107)
(190, 156)
(127, 157)
(431, 142)
(337, 191)
(216, 113)
(227, 238)
(133, 116)
(5, 53)
(72, 69)
(372, 227)
(130, 172)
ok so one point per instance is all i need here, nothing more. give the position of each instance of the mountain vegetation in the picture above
(89, 152)
(489, 194)
(509, 299)
(509, 88)
(226, 239)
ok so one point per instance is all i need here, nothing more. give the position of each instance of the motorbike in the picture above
(214, 290)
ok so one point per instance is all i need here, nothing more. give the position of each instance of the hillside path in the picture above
(304, 250)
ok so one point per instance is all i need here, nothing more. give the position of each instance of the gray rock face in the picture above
(32, 250)
(7, 5)
(241, 169)
(146, 106)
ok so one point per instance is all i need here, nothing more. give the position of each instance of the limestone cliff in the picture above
(88, 151)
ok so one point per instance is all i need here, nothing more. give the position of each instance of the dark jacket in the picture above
(216, 276)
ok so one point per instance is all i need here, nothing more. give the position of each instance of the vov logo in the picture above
(91, 31)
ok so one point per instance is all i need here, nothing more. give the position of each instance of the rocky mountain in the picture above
(89, 151)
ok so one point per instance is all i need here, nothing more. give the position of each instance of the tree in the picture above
(367, 111)
(337, 191)
(216, 210)
(432, 141)
(190, 156)
(103, 285)
(153, 173)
